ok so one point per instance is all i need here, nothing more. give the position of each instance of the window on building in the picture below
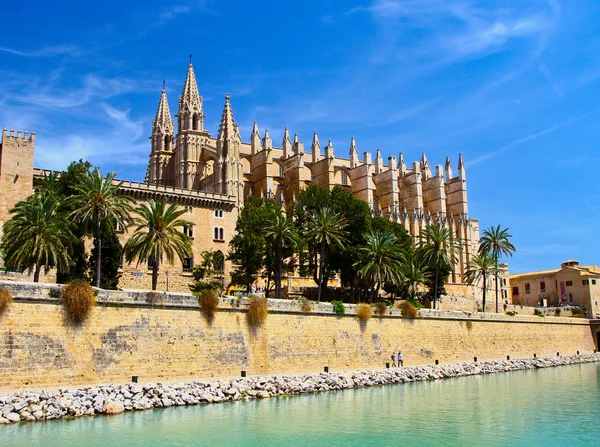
(281, 171)
(151, 262)
(188, 264)
(527, 288)
(344, 178)
(218, 233)
(504, 281)
(515, 290)
(569, 283)
(218, 213)
(188, 230)
(221, 234)
(570, 297)
(585, 282)
(190, 210)
(593, 281)
(542, 286)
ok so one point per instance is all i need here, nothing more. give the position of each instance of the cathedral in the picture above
(212, 177)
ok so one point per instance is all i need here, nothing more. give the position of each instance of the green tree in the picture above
(36, 236)
(248, 247)
(496, 243)
(481, 266)
(413, 275)
(326, 229)
(157, 234)
(112, 256)
(280, 234)
(438, 248)
(379, 260)
(95, 201)
(209, 274)
(48, 185)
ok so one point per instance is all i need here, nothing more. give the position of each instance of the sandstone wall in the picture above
(38, 348)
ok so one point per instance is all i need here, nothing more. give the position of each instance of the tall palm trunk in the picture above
(36, 273)
(321, 265)
(155, 272)
(435, 284)
(484, 290)
(278, 269)
(496, 274)
(98, 251)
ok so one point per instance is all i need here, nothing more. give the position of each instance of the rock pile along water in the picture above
(115, 399)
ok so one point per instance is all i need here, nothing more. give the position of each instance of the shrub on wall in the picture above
(539, 313)
(408, 309)
(381, 308)
(78, 300)
(417, 304)
(338, 307)
(306, 305)
(510, 314)
(364, 312)
(209, 304)
(257, 310)
(557, 312)
(577, 311)
(6, 299)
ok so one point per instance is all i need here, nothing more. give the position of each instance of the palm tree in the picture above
(380, 259)
(325, 229)
(280, 233)
(37, 235)
(48, 185)
(480, 266)
(157, 234)
(96, 200)
(438, 247)
(496, 243)
(413, 275)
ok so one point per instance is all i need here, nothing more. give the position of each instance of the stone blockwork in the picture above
(39, 348)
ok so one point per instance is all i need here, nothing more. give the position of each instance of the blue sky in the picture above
(513, 85)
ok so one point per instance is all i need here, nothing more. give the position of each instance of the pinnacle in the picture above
(227, 127)
(190, 95)
(163, 122)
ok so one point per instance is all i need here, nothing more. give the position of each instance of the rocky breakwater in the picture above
(114, 399)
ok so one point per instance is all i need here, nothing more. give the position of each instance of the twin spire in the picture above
(163, 123)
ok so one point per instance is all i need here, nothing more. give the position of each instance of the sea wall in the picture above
(162, 340)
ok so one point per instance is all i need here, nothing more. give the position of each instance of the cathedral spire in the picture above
(227, 126)
(163, 123)
(255, 139)
(190, 103)
(462, 173)
(286, 144)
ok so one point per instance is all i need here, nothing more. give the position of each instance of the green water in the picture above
(550, 407)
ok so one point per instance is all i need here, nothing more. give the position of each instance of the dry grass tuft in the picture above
(381, 308)
(78, 300)
(258, 310)
(6, 299)
(306, 305)
(408, 310)
(364, 312)
(209, 304)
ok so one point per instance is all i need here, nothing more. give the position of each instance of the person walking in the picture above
(393, 359)
(400, 359)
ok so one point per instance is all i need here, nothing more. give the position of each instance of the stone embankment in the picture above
(114, 399)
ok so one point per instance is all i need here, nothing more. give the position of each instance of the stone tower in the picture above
(228, 175)
(160, 169)
(190, 135)
(16, 171)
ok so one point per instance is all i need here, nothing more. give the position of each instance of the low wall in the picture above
(173, 341)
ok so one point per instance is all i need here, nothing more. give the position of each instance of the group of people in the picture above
(399, 358)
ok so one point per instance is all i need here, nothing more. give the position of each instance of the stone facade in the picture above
(214, 176)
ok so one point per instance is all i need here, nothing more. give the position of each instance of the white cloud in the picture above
(58, 50)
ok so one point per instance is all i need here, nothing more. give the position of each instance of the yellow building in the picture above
(571, 284)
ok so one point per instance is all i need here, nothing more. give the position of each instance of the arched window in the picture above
(216, 234)
(221, 234)
(218, 213)
(167, 143)
(281, 171)
(344, 178)
(195, 121)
